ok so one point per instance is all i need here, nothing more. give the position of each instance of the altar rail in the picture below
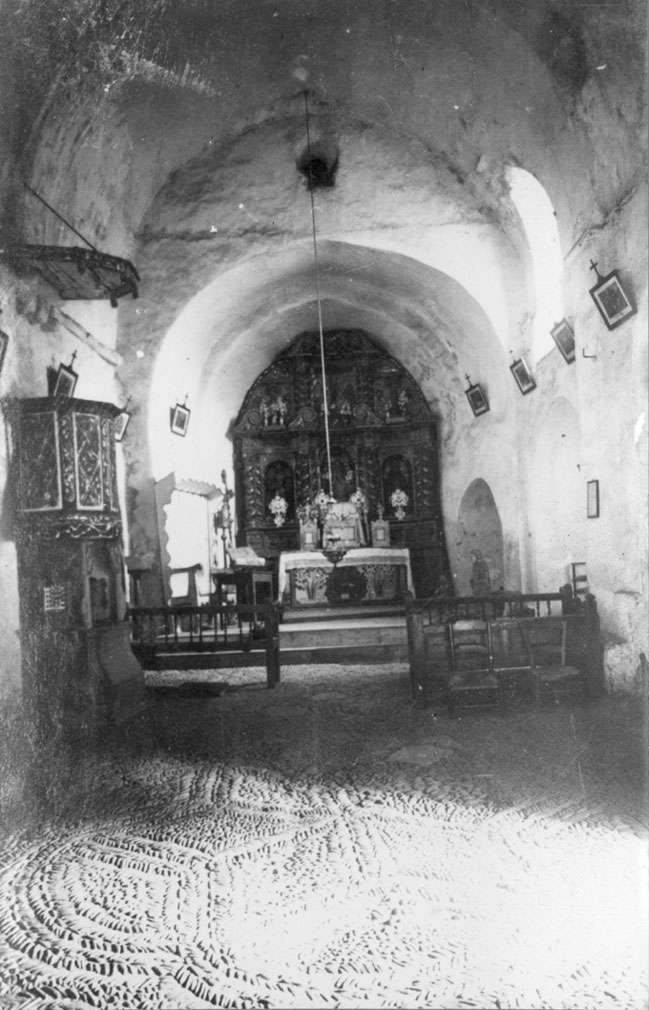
(225, 635)
(429, 644)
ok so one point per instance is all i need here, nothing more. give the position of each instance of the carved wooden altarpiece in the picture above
(383, 440)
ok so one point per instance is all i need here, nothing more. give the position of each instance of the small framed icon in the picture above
(180, 415)
(523, 376)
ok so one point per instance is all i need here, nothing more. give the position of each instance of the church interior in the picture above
(312, 312)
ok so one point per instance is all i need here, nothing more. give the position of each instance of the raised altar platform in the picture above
(363, 575)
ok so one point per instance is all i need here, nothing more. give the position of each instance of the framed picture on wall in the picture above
(613, 302)
(4, 341)
(66, 381)
(477, 399)
(523, 376)
(121, 424)
(180, 419)
(564, 337)
(592, 499)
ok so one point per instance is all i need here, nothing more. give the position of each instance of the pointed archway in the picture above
(480, 545)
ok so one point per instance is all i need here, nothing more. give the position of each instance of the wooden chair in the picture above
(184, 591)
(511, 660)
(547, 644)
(473, 684)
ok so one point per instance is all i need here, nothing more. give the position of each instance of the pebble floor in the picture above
(328, 844)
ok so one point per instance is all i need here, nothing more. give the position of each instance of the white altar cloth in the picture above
(355, 557)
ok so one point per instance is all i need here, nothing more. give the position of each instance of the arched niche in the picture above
(396, 475)
(480, 538)
(279, 480)
(557, 497)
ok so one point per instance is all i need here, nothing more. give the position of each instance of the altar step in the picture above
(301, 615)
(344, 637)
(347, 634)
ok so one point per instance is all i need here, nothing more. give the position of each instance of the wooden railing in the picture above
(428, 638)
(452, 608)
(249, 634)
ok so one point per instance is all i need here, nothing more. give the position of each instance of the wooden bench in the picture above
(216, 637)
(512, 656)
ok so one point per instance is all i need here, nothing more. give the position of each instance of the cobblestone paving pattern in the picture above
(328, 844)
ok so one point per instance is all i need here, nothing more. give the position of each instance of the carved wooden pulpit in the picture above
(78, 668)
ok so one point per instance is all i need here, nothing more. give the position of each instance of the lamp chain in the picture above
(325, 399)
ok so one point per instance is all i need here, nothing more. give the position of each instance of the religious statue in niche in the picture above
(397, 484)
(343, 409)
(402, 402)
(278, 507)
(278, 491)
(274, 412)
(480, 576)
(391, 397)
(316, 392)
(341, 394)
(399, 501)
(343, 478)
(343, 397)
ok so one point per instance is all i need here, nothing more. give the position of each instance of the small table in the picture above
(245, 582)
(241, 580)
(223, 577)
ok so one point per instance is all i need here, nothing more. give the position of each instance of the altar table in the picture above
(363, 575)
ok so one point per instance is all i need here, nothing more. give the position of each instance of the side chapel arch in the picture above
(481, 544)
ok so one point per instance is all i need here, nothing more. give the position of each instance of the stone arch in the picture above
(481, 534)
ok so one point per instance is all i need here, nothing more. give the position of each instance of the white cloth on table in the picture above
(292, 560)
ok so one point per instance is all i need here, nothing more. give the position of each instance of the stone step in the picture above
(298, 615)
(375, 631)
(395, 652)
(289, 656)
(205, 660)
